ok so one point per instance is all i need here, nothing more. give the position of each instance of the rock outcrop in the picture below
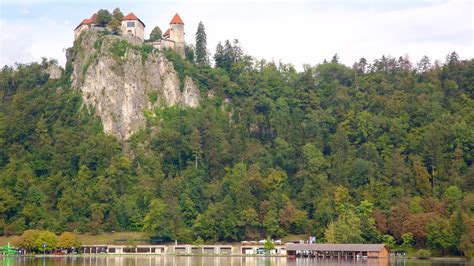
(54, 71)
(120, 80)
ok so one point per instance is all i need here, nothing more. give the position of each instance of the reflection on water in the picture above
(201, 261)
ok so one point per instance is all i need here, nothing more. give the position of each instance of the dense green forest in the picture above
(379, 151)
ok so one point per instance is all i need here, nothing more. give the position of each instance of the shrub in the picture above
(88, 62)
(182, 67)
(152, 96)
(98, 43)
(145, 50)
(423, 254)
(118, 48)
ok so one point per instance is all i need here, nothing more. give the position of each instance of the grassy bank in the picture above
(104, 238)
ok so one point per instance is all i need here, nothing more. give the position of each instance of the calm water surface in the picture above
(204, 261)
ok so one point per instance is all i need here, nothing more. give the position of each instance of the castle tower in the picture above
(132, 25)
(177, 34)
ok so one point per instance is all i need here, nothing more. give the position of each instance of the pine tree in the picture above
(219, 55)
(201, 46)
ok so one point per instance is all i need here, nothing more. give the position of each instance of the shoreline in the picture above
(453, 259)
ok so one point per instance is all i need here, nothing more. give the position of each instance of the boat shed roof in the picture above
(336, 247)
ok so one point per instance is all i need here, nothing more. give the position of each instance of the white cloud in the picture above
(15, 42)
(23, 42)
(294, 32)
(304, 32)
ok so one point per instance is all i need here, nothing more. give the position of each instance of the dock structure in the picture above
(291, 250)
(260, 250)
(161, 249)
(339, 251)
(118, 249)
(203, 250)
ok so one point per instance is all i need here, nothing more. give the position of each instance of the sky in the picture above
(297, 31)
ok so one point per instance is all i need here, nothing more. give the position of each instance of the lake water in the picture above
(205, 261)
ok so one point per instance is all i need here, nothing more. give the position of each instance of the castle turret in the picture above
(177, 34)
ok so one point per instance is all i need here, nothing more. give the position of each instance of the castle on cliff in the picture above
(131, 25)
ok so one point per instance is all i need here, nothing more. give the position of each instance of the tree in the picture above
(219, 55)
(466, 246)
(155, 34)
(292, 219)
(271, 224)
(440, 235)
(361, 66)
(28, 239)
(342, 199)
(206, 228)
(198, 242)
(388, 155)
(459, 229)
(117, 14)
(453, 197)
(187, 209)
(250, 223)
(269, 245)
(228, 55)
(156, 220)
(330, 233)
(389, 241)
(68, 240)
(276, 180)
(424, 64)
(407, 240)
(46, 241)
(201, 45)
(97, 218)
(115, 26)
(346, 229)
(422, 177)
(103, 17)
(189, 53)
(370, 234)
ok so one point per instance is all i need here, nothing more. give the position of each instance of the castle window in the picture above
(130, 24)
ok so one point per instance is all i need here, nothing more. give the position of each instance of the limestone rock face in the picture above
(54, 71)
(120, 88)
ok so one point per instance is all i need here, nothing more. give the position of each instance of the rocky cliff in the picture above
(120, 78)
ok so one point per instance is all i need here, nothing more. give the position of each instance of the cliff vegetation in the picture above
(380, 151)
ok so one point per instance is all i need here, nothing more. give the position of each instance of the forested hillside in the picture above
(348, 154)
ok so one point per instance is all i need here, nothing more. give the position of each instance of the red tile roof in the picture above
(177, 20)
(93, 19)
(336, 247)
(132, 16)
(83, 22)
(167, 33)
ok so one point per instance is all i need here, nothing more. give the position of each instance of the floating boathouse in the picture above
(337, 250)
